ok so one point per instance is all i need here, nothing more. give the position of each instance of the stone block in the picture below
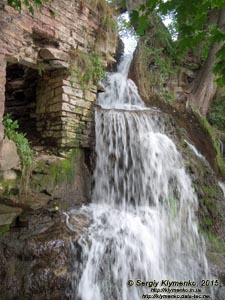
(55, 107)
(78, 110)
(89, 96)
(68, 90)
(56, 99)
(54, 54)
(81, 103)
(58, 91)
(65, 98)
(59, 64)
(86, 112)
(9, 158)
(88, 119)
(8, 214)
(67, 107)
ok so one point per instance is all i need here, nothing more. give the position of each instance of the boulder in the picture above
(9, 158)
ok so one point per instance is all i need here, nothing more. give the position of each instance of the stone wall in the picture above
(44, 41)
(2, 91)
(64, 111)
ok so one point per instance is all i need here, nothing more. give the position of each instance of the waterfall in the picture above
(143, 210)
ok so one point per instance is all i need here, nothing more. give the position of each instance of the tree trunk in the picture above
(202, 89)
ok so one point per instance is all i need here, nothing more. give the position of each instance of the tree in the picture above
(199, 27)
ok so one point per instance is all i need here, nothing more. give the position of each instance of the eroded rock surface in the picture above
(36, 257)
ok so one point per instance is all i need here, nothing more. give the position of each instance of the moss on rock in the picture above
(209, 129)
(50, 172)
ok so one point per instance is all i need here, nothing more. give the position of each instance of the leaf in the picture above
(221, 53)
(152, 3)
(142, 25)
(134, 15)
(123, 4)
(142, 7)
(217, 35)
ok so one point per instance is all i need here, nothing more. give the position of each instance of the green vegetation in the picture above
(216, 114)
(193, 24)
(64, 170)
(158, 69)
(88, 68)
(19, 139)
(210, 130)
(216, 244)
(23, 147)
(4, 229)
(41, 68)
(58, 173)
(31, 4)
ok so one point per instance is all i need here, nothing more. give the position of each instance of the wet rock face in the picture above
(36, 243)
(211, 204)
(36, 260)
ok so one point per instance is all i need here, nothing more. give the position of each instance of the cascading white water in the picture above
(143, 206)
(222, 186)
(196, 152)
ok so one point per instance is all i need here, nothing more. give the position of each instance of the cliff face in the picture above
(50, 63)
(43, 60)
(46, 42)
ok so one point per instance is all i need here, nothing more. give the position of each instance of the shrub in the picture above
(23, 147)
(87, 68)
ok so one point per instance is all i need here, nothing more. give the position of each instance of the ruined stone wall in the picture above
(44, 41)
(65, 111)
(2, 91)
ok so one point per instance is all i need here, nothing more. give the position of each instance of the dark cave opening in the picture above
(20, 98)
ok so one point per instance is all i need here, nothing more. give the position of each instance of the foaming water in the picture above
(143, 223)
(120, 92)
(222, 186)
(196, 152)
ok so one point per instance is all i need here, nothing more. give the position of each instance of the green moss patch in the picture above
(48, 175)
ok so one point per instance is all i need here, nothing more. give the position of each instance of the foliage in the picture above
(161, 67)
(19, 139)
(31, 4)
(219, 68)
(210, 130)
(191, 25)
(22, 144)
(216, 115)
(88, 68)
